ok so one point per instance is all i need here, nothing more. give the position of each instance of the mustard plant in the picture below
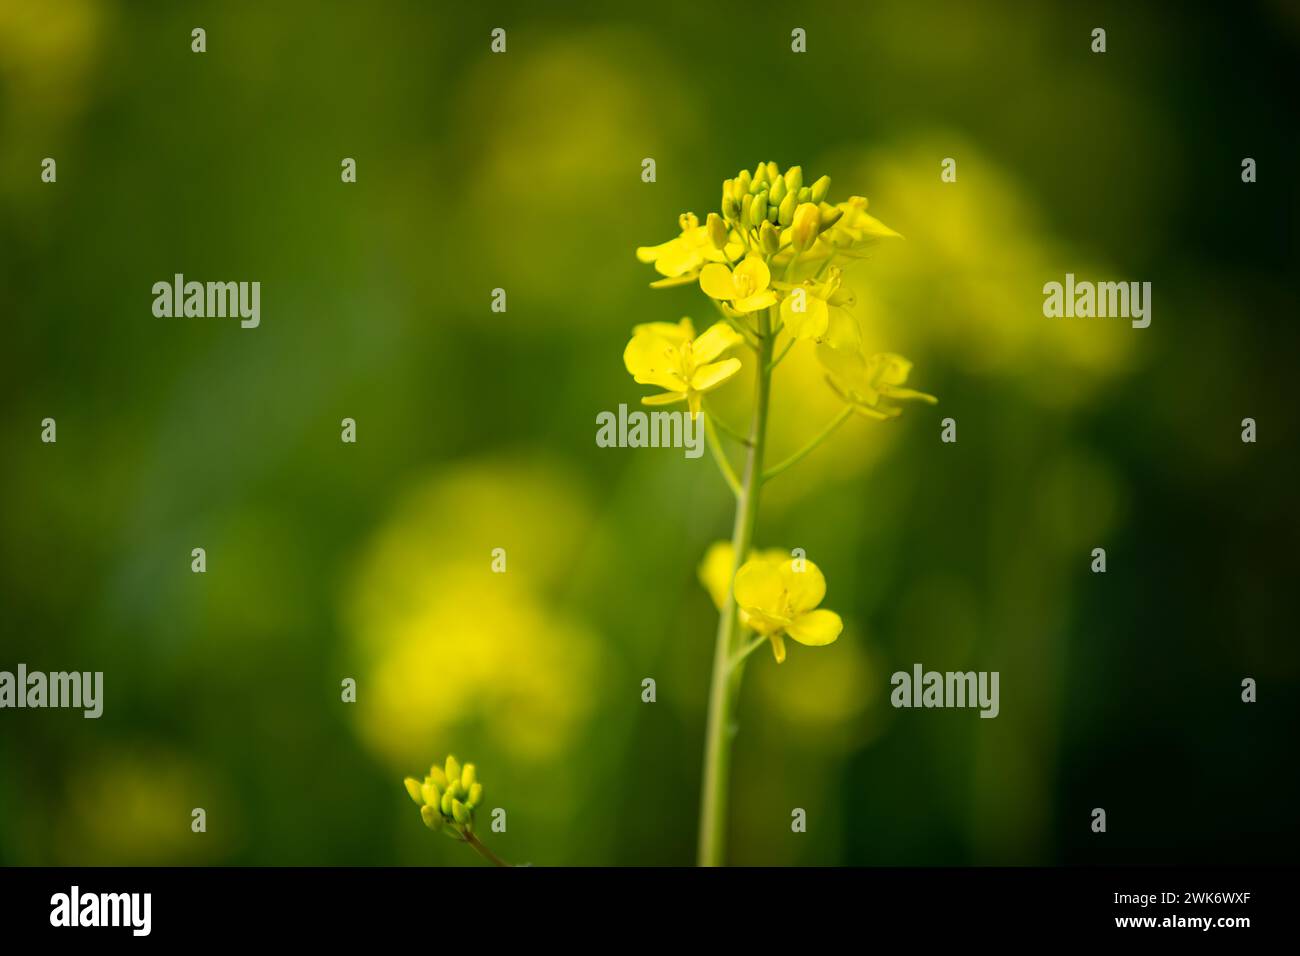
(769, 224)
(447, 798)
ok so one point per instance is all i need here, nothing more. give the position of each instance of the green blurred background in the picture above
(476, 431)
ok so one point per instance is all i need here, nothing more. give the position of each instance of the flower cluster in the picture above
(447, 797)
(768, 220)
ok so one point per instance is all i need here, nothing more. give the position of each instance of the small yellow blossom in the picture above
(718, 564)
(680, 259)
(819, 311)
(864, 382)
(745, 288)
(777, 601)
(854, 234)
(672, 357)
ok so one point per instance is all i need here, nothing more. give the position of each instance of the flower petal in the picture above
(804, 589)
(755, 269)
(715, 280)
(759, 587)
(715, 571)
(753, 303)
(667, 398)
(715, 340)
(808, 324)
(816, 628)
(711, 376)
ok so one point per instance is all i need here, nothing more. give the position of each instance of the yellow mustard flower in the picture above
(854, 234)
(745, 288)
(777, 601)
(719, 561)
(672, 357)
(680, 259)
(819, 311)
(865, 382)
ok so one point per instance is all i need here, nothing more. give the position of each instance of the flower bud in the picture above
(794, 178)
(785, 215)
(744, 181)
(820, 189)
(805, 194)
(829, 214)
(769, 237)
(452, 768)
(432, 819)
(437, 777)
(745, 205)
(468, 774)
(758, 209)
(475, 796)
(760, 174)
(413, 788)
(807, 223)
(459, 812)
(772, 213)
(717, 231)
(773, 171)
(730, 201)
(445, 804)
(778, 191)
(430, 795)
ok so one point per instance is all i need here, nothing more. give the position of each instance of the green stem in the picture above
(487, 854)
(723, 426)
(784, 352)
(798, 456)
(720, 456)
(748, 649)
(725, 686)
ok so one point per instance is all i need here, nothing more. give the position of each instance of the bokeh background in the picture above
(476, 431)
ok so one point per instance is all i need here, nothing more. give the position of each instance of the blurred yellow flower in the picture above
(718, 563)
(863, 382)
(854, 233)
(819, 311)
(673, 358)
(680, 259)
(745, 288)
(780, 598)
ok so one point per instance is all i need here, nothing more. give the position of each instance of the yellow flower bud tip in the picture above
(794, 178)
(778, 191)
(475, 796)
(745, 206)
(758, 209)
(820, 190)
(413, 788)
(452, 768)
(772, 213)
(437, 777)
(773, 170)
(760, 173)
(744, 181)
(468, 774)
(430, 795)
(769, 238)
(785, 215)
(805, 194)
(459, 812)
(717, 231)
(432, 819)
(445, 804)
(806, 225)
(830, 215)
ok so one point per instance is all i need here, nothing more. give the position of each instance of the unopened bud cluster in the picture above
(447, 797)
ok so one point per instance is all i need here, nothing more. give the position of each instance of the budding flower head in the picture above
(805, 226)
(447, 796)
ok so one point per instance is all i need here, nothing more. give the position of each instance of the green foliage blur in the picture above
(476, 431)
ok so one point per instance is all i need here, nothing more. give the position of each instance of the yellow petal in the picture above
(808, 324)
(842, 331)
(715, 280)
(754, 269)
(888, 368)
(816, 628)
(651, 253)
(753, 303)
(804, 589)
(687, 279)
(667, 398)
(778, 646)
(716, 339)
(676, 332)
(759, 586)
(678, 258)
(711, 376)
(715, 571)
